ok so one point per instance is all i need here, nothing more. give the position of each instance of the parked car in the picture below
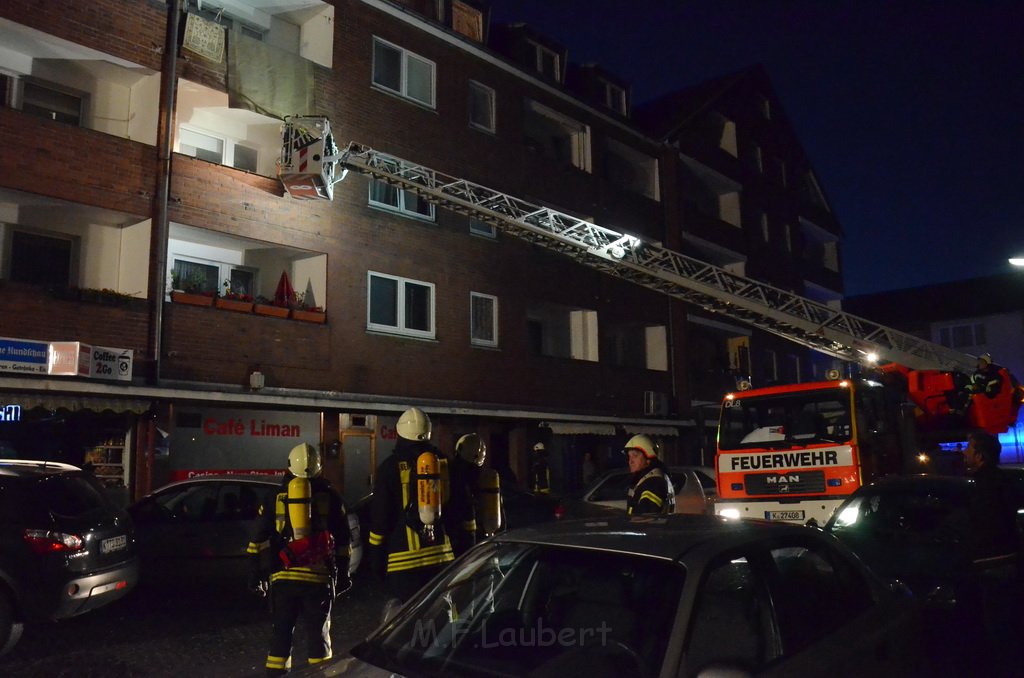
(201, 527)
(694, 487)
(678, 595)
(915, 529)
(65, 549)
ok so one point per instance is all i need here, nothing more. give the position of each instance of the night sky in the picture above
(912, 112)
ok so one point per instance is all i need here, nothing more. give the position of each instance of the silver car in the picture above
(679, 595)
(694, 487)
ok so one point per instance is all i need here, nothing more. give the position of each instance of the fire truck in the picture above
(784, 453)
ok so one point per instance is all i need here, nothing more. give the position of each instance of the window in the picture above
(639, 346)
(403, 72)
(482, 228)
(780, 171)
(483, 319)
(766, 108)
(755, 159)
(563, 332)
(962, 336)
(481, 106)
(556, 136)
(40, 259)
(788, 235)
(765, 236)
(49, 101)
(400, 306)
(467, 21)
(400, 200)
(246, 158)
(771, 366)
(547, 62)
(615, 98)
(198, 275)
(199, 145)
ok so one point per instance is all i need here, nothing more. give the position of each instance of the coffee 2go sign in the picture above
(228, 441)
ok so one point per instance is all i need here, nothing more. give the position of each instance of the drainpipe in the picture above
(159, 230)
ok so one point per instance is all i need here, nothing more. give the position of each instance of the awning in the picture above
(576, 428)
(76, 403)
(663, 431)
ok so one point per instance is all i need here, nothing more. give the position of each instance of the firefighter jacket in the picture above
(461, 514)
(540, 474)
(317, 558)
(987, 380)
(396, 528)
(652, 491)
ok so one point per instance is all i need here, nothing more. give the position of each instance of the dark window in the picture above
(40, 259)
(38, 99)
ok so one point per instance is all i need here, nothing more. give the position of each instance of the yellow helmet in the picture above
(414, 424)
(539, 447)
(471, 449)
(304, 461)
(985, 358)
(643, 444)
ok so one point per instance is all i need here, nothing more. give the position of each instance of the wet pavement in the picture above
(178, 629)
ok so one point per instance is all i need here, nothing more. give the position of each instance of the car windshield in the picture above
(785, 419)
(922, 512)
(524, 609)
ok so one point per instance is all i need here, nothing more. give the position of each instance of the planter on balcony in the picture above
(271, 310)
(309, 316)
(236, 305)
(191, 299)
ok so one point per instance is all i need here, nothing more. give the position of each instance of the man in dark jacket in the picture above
(651, 491)
(301, 545)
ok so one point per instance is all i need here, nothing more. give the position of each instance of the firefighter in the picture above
(459, 473)
(409, 542)
(540, 472)
(300, 549)
(986, 378)
(652, 490)
(483, 485)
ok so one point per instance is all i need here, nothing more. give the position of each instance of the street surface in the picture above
(178, 630)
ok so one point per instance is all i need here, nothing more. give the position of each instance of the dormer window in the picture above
(467, 21)
(615, 98)
(547, 62)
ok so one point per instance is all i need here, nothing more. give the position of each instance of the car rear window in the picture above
(67, 494)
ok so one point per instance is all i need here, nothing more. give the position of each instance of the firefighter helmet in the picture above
(539, 447)
(985, 358)
(414, 424)
(471, 449)
(643, 444)
(304, 461)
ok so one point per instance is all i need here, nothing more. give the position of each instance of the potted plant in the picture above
(234, 300)
(188, 290)
(307, 313)
(265, 306)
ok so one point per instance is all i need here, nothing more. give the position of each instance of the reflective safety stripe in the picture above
(301, 574)
(255, 548)
(319, 660)
(376, 539)
(279, 663)
(652, 497)
(412, 559)
(469, 525)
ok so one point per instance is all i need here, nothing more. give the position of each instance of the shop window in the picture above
(483, 319)
(400, 305)
(403, 72)
(481, 106)
(396, 199)
(42, 259)
(556, 136)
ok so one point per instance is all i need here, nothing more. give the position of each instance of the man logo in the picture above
(778, 480)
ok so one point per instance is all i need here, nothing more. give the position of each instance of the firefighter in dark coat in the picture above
(540, 472)
(652, 491)
(410, 523)
(301, 546)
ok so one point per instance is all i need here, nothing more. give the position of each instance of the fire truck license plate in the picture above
(784, 515)
(113, 544)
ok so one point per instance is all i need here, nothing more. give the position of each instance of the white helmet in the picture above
(643, 444)
(414, 424)
(304, 461)
(539, 447)
(471, 449)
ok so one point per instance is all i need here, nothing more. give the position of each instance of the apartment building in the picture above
(148, 247)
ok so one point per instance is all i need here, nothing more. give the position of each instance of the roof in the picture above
(669, 537)
(664, 115)
(911, 308)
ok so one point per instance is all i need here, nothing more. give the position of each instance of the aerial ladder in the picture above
(311, 163)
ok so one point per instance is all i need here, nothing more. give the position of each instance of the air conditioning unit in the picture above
(655, 403)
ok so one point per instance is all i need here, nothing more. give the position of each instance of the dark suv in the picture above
(65, 548)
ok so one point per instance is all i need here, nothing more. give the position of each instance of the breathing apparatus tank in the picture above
(303, 463)
(488, 501)
(428, 491)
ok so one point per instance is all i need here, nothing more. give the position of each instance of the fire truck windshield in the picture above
(785, 419)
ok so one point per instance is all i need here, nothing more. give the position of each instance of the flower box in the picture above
(236, 305)
(309, 316)
(271, 310)
(191, 299)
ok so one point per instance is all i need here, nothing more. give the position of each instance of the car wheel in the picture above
(10, 628)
